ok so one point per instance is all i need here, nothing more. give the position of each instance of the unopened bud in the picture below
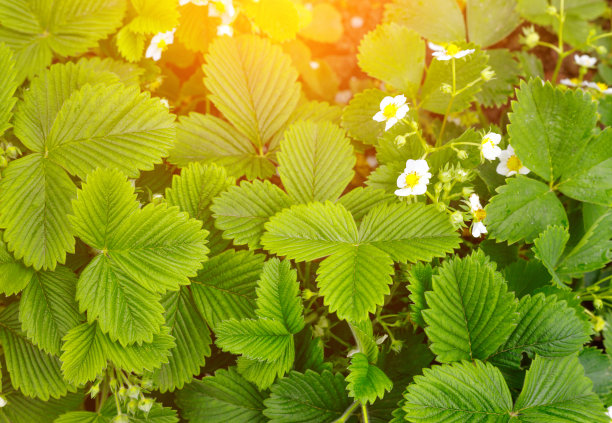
(441, 207)
(93, 391)
(12, 152)
(308, 294)
(446, 88)
(598, 303)
(400, 140)
(438, 187)
(121, 418)
(551, 10)
(447, 186)
(456, 218)
(445, 176)
(598, 324)
(145, 405)
(132, 406)
(133, 392)
(487, 74)
(146, 383)
(601, 50)
(467, 191)
(462, 154)
(530, 37)
(3, 162)
(157, 199)
(122, 393)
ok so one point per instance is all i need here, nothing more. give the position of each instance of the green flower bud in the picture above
(601, 50)
(441, 206)
(3, 401)
(12, 151)
(446, 88)
(462, 154)
(3, 162)
(456, 218)
(598, 303)
(467, 191)
(121, 418)
(145, 405)
(487, 74)
(551, 10)
(132, 406)
(122, 394)
(400, 140)
(93, 391)
(133, 392)
(445, 176)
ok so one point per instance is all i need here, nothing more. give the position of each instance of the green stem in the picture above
(347, 413)
(450, 104)
(104, 392)
(364, 413)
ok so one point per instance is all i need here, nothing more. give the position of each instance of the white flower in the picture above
(223, 9)
(356, 21)
(609, 413)
(489, 147)
(3, 401)
(194, 2)
(414, 179)
(585, 60)
(451, 51)
(571, 82)
(225, 30)
(510, 164)
(479, 214)
(392, 109)
(159, 43)
(599, 86)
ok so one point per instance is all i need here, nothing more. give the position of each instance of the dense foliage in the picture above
(208, 213)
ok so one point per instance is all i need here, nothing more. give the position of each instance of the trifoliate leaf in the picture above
(253, 84)
(394, 54)
(308, 397)
(263, 373)
(192, 340)
(221, 398)
(261, 339)
(208, 139)
(34, 372)
(559, 331)
(241, 211)
(548, 248)
(129, 74)
(471, 313)
(359, 201)
(556, 390)
(141, 252)
(436, 20)
(14, 276)
(225, 287)
(522, 209)
(467, 72)
(35, 195)
(316, 161)
(366, 382)
(465, 391)
(36, 32)
(491, 21)
(153, 16)
(83, 357)
(549, 127)
(278, 295)
(8, 85)
(48, 309)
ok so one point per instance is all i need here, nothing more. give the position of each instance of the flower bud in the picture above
(447, 186)
(438, 187)
(400, 141)
(93, 391)
(122, 394)
(467, 191)
(446, 88)
(487, 74)
(133, 392)
(445, 176)
(551, 10)
(145, 405)
(113, 384)
(132, 406)
(598, 303)
(530, 37)
(462, 154)
(456, 218)
(157, 199)
(601, 50)
(146, 383)
(12, 151)
(121, 418)
(598, 323)
(3, 162)
(441, 207)
(308, 294)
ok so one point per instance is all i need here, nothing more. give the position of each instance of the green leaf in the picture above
(559, 331)
(491, 21)
(366, 382)
(192, 340)
(548, 248)
(141, 252)
(128, 73)
(278, 295)
(587, 177)
(394, 54)
(316, 161)
(459, 392)
(83, 357)
(597, 367)
(20, 408)
(556, 390)
(35, 196)
(359, 201)
(34, 372)
(440, 72)
(36, 31)
(354, 280)
(261, 339)
(208, 139)
(263, 373)
(253, 84)
(522, 209)
(549, 127)
(524, 277)
(8, 86)
(419, 282)
(154, 16)
(14, 276)
(436, 20)
(497, 91)
(357, 116)
(471, 313)
(221, 398)
(193, 191)
(225, 287)
(241, 211)
(48, 309)
(309, 397)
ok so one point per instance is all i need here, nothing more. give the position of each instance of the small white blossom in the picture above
(356, 21)
(3, 401)
(451, 51)
(585, 60)
(392, 109)
(599, 86)
(489, 146)
(510, 164)
(479, 214)
(414, 179)
(571, 82)
(223, 9)
(159, 44)
(609, 413)
(225, 30)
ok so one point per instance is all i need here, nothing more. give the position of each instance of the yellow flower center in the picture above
(575, 81)
(161, 44)
(487, 140)
(412, 179)
(514, 163)
(602, 86)
(390, 110)
(479, 215)
(452, 49)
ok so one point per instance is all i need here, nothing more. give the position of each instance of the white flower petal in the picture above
(399, 100)
(493, 137)
(420, 167)
(443, 57)
(568, 82)
(401, 112)
(385, 102)
(379, 117)
(435, 47)
(478, 228)
(475, 202)
(403, 192)
(463, 53)
(490, 152)
(401, 180)
(392, 121)
(502, 168)
(419, 189)
(524, 171)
